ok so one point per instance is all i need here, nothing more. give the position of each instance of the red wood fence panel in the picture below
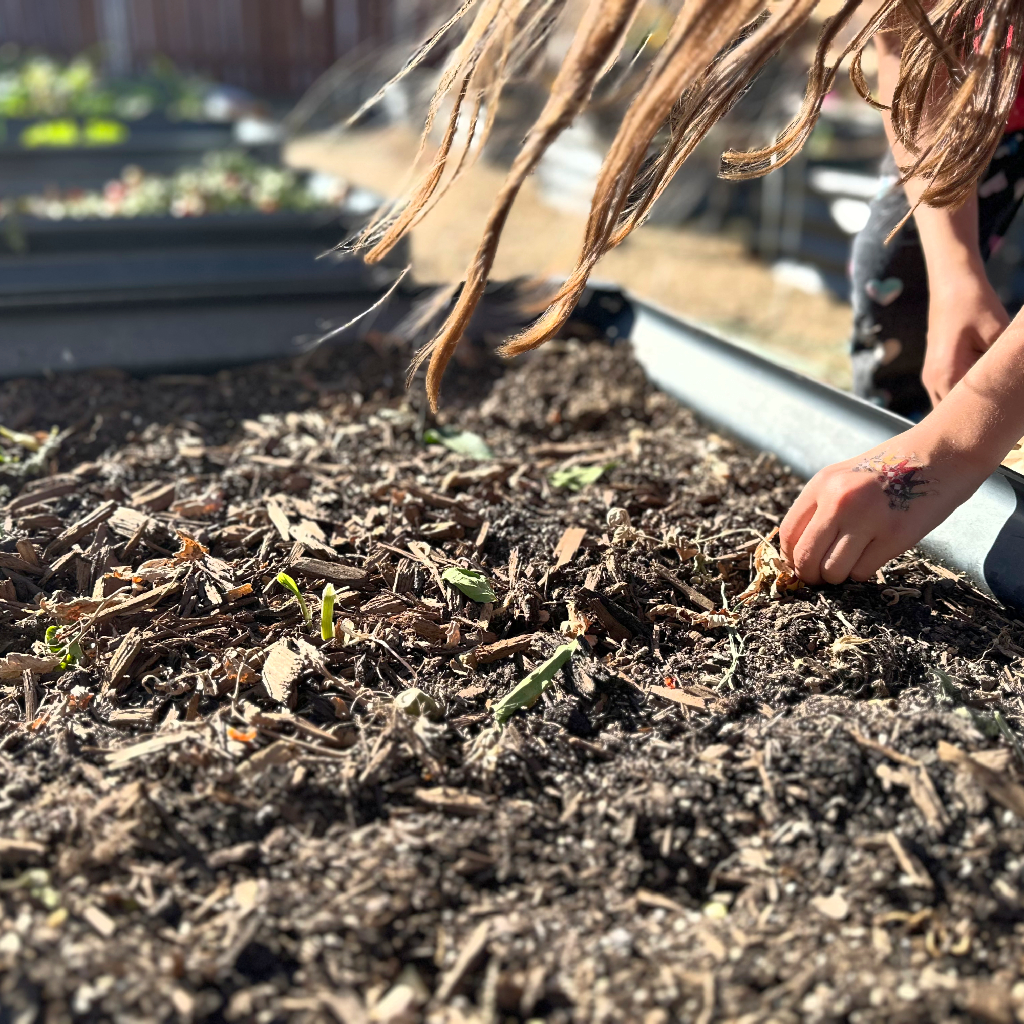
(64, 26)
(272, 47)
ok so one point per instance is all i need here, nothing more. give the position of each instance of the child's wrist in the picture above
(946, 437)
(955, 271)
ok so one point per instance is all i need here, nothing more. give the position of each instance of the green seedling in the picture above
(464, 442)
(418, 704)
(737, 652)
(42, 451)
(289, 584)
(35, 881)
(949, 688)
(475, 585)
(528, 691)
(327, 612)
(575, 478)
(27, 441)
(69, 653)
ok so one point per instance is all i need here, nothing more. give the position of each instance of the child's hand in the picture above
(854, 516)
(965, 316)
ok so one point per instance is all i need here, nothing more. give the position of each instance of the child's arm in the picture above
(854, 516)
(965, 315)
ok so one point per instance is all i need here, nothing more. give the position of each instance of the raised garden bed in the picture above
(234, 255)
(209, 294)
(805, 809)
(154, 143)
(63, 126)
(147, 292)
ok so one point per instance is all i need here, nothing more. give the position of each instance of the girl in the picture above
(912, 362)
(948, 80)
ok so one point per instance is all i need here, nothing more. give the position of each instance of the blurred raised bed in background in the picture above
(232, 259)
(64, 125)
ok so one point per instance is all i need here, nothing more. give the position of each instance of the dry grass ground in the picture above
(709, 279)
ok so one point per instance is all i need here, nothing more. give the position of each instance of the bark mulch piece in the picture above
(804, 807)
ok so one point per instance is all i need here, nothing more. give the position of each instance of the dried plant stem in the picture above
(28, 683)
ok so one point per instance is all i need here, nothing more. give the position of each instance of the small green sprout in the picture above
(529, 689)
(289, 584)
(29, 441)
(69, 653)
(327, 612)
(37, 882)
(462, 442)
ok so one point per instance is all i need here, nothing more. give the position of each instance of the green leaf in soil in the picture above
(527, 692)
(74, 655)
(575, 478)
(464, 442)
(475, 585)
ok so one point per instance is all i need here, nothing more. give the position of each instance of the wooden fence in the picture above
(272, 47)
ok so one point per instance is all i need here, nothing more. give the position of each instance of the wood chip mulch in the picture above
(805, 807)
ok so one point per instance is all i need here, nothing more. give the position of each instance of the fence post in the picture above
(346, 27)
(115, 36)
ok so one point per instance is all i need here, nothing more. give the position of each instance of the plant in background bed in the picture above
(38, 86)
(227, 181)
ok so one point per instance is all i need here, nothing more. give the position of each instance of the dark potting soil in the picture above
(799, 808)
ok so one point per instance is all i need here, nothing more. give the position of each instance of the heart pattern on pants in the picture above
(886, 292)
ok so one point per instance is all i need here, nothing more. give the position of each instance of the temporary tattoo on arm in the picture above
(902, 479)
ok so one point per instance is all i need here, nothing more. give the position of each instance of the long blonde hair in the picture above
(960, 68)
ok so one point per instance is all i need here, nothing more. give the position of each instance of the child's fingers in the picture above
(816, 540)
(872, 558)
(844, 555)
(795, 522)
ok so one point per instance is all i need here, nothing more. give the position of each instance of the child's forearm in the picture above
(982, 417)
(949, 238)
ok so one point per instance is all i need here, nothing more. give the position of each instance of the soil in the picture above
(804, 807)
